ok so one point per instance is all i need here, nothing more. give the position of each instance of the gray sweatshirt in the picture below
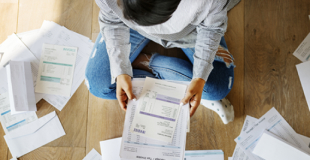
(198, 24)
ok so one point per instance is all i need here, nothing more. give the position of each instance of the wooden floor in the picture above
(262, 35)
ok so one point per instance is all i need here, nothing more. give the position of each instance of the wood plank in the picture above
(8, 18)
(274, 29)
(95, 23)
(105, 121)
(75, 15)
(51, 153)
(207, 129)
(4, 150)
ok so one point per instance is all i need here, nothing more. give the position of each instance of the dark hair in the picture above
(149, 12)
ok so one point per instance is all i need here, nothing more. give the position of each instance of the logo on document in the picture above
(139, 130)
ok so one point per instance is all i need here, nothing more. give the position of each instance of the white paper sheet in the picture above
(56, 70)
(304, 76)
(274, 123)
(270, 147)
(303, 50)
(146, 147)
(10, 122)
(110, 149)
(19, 52)
(305, 139)
(204, 155)
(93, 155)
(21, 87)
(238, 152)
(158, 109)
(34, 135)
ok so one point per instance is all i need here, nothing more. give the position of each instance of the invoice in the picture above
(56, 70)
(134, 145)
(158, 109)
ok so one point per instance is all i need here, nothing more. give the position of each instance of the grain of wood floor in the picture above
(262, 35)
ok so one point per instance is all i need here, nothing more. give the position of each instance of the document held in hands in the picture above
(34, 135)
(21, 87)
(158, 109)
(134, 145)
(56, 70)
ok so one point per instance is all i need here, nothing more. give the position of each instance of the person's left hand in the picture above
(193, 94)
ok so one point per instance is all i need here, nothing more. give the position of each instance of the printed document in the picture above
(273, 122)
(134, 145)
(56, 70)
(21, 87)
(10, 122)
(158, 110)
(271, 147)
(238, 152)
(303, 51)
(304, 76)
(204, 155)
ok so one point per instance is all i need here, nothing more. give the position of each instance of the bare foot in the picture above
(142, 62)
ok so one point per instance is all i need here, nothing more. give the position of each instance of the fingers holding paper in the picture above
(193, 94)
(124, 90)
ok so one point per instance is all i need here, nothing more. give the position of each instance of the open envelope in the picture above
(34, 135)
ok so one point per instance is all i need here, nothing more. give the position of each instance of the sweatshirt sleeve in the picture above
(116, 36)
(209, 34)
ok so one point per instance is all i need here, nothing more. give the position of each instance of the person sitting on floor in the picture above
(197, 27)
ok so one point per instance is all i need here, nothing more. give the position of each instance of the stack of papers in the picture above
(149, 147)
(272, 123)
(28, 47)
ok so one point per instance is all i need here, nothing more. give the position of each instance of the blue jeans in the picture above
(98, 77)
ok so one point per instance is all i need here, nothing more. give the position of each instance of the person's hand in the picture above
(124, 90)
(193, 94)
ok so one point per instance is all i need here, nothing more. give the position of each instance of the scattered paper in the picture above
(147, 147)
(158, 109)
(10, 122)
(273, 122)
(34, 135)
(18, 52)
(93, 155)
(303, 51)
(303, 70)
(204, 155)
(305, 139)
(110, 149)
(56, 70)
(270, 147)
(21, 87)
(239, 153)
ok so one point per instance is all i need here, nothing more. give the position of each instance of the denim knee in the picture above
(101, 88)
(216, 93)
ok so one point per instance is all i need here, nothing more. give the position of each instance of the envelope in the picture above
(34, 135)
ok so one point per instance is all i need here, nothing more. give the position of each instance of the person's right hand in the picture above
(124, 90)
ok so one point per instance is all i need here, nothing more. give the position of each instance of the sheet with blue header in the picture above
(204, 155)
